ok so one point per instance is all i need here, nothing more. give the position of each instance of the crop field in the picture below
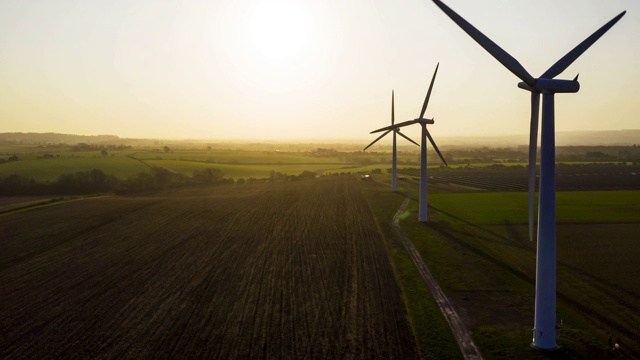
(476, 245)
(278, 270)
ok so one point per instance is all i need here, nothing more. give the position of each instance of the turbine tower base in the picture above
(555, 348)
(533, 345)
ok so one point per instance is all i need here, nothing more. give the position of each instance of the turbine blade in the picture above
(391, 127)
(376, 140)
(533, 146)
(406, 137)
(557, 68)
(393, 111)
(496, 51)
(436, 147)
(426, 99)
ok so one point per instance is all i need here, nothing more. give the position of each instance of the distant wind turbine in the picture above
(422, 215)
(394, 157)
(544, 332)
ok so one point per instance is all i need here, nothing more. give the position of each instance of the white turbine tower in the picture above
(544, 332)
(394, 157)
(422, 214)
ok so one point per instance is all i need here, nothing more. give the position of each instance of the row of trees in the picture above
(9, 159)
(94, 147)
(96, 181)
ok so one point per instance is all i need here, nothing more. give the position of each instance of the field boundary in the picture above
(56, 200)
(460, 332)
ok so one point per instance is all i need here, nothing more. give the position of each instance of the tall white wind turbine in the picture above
(544, 331)
(394, 157)
(422, 214)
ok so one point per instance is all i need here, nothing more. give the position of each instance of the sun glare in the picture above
(276, 31)
(278, 47)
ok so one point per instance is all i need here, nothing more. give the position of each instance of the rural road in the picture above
(460, 332)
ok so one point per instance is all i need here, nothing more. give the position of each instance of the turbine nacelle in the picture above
(424, 121)
(397, 126)
(552, 86)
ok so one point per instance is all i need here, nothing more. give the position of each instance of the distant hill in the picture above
(53, 138)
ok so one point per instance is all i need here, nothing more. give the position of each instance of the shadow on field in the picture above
(514, 239)
(445, 230)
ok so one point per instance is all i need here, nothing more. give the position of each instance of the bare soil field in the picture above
(277, 270)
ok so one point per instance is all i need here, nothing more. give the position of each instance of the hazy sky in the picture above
(281, 69)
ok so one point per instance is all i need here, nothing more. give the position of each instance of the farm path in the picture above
(460, 332)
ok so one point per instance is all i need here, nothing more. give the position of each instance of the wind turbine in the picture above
(544, 331)
(394, 158)
(422, 214)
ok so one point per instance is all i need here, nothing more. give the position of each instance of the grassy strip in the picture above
(45, 203)
(432, 332)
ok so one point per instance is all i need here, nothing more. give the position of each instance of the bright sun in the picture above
(277, 31)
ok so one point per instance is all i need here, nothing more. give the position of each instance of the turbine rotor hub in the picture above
(552, 86)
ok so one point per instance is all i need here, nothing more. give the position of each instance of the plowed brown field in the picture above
(280, 270)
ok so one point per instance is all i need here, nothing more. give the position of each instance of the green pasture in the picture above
(241, 157)
(33, 152)
(236, 171)
(40, 169)
(403, 157)
(356, 169)
(368, 169)
(262, 170)
(8, 150)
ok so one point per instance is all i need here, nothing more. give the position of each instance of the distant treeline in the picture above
(97, 147)
(506, 155)
(96, 181)
(53, 138)
(9, 159)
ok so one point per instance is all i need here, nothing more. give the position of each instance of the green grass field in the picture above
(234, 164)
(236, 171)
(477, 246)
(35, 167)
(241, 157)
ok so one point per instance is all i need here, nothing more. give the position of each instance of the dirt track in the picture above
(463, 336)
